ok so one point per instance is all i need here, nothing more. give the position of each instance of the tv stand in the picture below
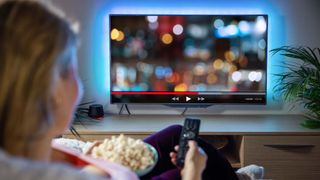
(277, 142)
(126, 107)
(187, 106)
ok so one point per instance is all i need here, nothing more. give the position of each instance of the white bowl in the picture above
(149, 168)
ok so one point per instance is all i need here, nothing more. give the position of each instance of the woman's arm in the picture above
(59, 156)
(93, 165)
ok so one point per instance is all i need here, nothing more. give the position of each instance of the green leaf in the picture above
(311, 124)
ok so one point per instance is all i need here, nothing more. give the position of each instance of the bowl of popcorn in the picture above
(135, 154)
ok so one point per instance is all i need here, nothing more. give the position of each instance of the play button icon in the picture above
(188, 99)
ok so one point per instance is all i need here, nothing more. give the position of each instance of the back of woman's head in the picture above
(35, 48)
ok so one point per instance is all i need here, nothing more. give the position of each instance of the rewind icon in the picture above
(175, 99)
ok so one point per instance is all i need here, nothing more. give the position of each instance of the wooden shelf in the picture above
(233, 160)
(210, 124)
(227, 145)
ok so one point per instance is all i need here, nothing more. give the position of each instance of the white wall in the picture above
(299, 25)
(81, 11)
(301, 21)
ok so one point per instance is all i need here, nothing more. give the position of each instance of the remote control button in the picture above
(191, 135)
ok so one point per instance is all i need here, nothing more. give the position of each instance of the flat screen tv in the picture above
(188, 59)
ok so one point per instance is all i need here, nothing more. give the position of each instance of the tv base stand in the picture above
(184, 111)
(126, 107)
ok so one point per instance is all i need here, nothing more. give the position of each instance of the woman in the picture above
(40, 89)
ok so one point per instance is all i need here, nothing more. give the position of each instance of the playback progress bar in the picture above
(188, 97)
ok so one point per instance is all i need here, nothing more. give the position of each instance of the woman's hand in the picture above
(89, 150)
(91, 168)
(195, 162)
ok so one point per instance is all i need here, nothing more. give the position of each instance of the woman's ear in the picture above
(59, 107)
(56, 101)
(57, 94)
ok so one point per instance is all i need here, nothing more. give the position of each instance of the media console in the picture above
(277, 142)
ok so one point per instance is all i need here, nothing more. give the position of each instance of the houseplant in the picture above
(300, 82)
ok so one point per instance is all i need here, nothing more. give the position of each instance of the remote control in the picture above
(189, 131)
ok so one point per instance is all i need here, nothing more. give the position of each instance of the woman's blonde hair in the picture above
(35, 46)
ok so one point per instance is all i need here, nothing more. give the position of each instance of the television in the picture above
(188, 59)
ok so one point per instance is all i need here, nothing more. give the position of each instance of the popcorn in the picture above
(127, 151)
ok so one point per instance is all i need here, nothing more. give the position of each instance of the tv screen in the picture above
(188, 59)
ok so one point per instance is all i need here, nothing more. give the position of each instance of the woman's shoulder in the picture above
(19, 168)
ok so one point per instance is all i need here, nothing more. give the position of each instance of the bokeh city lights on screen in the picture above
(188, 53)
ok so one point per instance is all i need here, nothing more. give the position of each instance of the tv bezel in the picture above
(189, 104)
